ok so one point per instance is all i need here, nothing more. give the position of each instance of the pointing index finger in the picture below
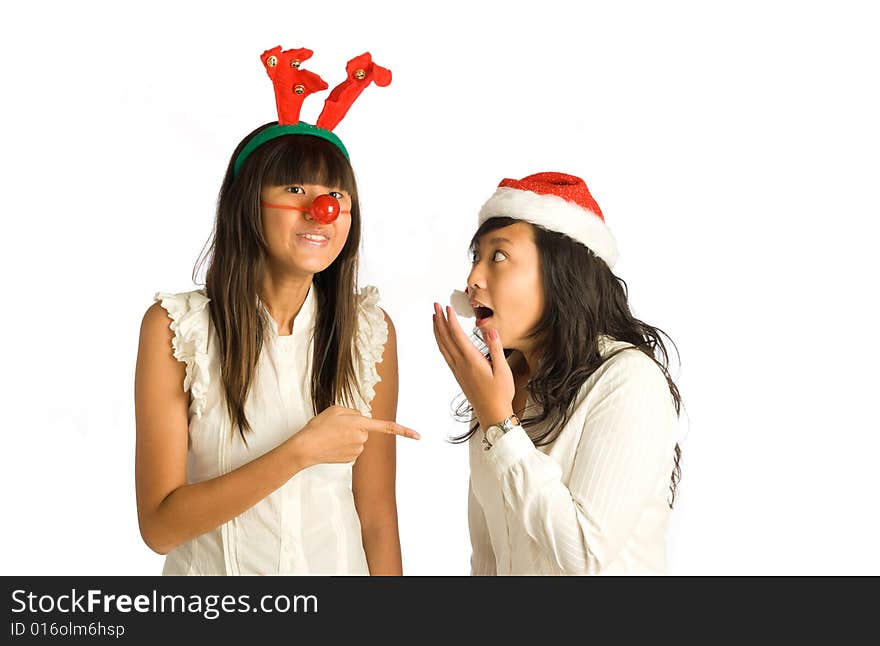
(393, 428)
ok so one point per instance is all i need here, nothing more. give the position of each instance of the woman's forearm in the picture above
(191, 510)
(382, 547)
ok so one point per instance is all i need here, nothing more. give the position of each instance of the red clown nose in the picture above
(324, 209)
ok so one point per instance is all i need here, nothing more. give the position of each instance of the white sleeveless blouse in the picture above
(309, 525)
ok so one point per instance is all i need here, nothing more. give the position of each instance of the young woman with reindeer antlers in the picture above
(265, 402)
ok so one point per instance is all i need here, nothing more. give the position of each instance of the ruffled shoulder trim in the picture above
(190, 322)
(372, 334)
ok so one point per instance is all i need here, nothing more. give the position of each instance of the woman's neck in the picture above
(283, 297)
(521, 375)
(520, 367)
(530, 361)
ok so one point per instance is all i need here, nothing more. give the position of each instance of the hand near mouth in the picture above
(488, 385)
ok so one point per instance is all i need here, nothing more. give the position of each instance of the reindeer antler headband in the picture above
(293, 85)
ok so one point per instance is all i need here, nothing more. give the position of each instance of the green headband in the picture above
(301, 128)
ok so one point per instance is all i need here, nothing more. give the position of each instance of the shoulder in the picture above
(185, 314)
(628, 391)
(375, 327)
(182, 321)
(392, 333)
(180, 306)
(375, 344)
(181, 303)
(628, 397)
(159, 321)
(156, 343)
(156, 322)
(368, 299)
(626, 374)
(624, 360)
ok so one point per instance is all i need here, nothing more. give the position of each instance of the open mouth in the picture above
(482, 313)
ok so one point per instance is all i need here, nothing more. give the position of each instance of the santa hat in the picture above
(557, 202)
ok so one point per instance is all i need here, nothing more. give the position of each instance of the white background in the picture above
(734, 149)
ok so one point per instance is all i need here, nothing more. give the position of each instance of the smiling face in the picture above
(296, 243)
(505, 286)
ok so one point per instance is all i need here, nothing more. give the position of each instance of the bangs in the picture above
(498, 222)
(302, 159)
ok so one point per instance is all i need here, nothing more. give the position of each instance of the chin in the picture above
(310, 265)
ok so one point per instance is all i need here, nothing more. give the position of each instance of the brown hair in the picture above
(583, 300)
(236, 259)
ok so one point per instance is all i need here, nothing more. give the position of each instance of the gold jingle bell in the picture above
(295, 62)
(272, 61)
(299, 89)
(359, 75)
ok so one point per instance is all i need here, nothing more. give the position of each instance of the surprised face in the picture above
(505, 284)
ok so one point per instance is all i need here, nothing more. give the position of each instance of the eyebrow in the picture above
(498, 239)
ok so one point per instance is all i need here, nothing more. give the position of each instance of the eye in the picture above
(299, 190)
(336, 194)
(498, 256)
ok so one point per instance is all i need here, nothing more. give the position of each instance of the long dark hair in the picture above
(236, 259)
(583, 300)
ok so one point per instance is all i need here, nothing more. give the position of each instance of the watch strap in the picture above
(503, 426)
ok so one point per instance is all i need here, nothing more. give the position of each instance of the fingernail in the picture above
(493, 334)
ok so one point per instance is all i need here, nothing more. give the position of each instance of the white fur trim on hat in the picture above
(556, 214)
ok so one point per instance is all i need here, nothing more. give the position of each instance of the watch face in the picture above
(494, 433)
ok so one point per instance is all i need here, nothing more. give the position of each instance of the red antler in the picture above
(361, 72)
(292, 84)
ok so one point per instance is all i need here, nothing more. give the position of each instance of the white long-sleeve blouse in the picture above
(595, 500)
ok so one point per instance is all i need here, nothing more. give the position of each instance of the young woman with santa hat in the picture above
(573, 444)
(256, 452)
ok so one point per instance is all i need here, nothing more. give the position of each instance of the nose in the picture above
(324, 209)
(476, 279)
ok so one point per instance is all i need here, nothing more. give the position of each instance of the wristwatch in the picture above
(494, 432)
